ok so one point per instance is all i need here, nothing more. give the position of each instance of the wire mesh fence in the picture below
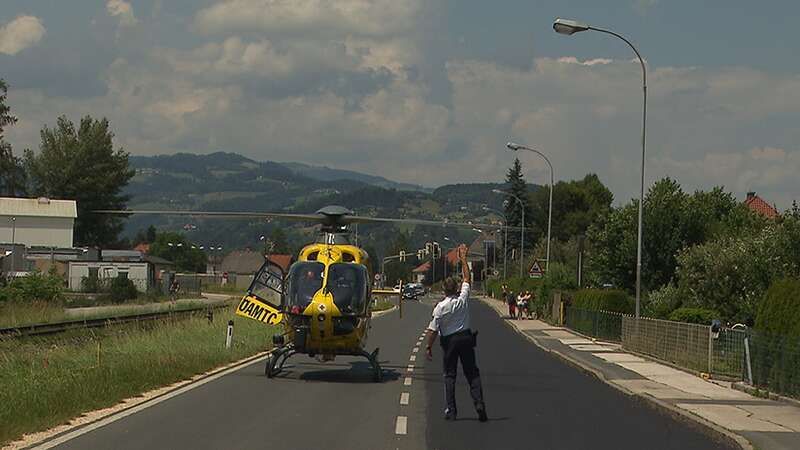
(767, 361)
(598, 324)
(683, 344)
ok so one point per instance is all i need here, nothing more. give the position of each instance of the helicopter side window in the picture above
(267, 285)
(347, 283)
(305, 279)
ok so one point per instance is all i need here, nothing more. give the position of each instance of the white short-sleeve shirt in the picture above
(451, 315)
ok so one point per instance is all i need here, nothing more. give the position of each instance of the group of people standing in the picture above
(519, 305)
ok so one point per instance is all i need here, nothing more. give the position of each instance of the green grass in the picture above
(14, 314)
(46, 382)
(383, 305)
(227, 289)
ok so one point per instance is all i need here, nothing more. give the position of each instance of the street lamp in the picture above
(515, 147)
(568, 27)
(522, 230)
(505, 234)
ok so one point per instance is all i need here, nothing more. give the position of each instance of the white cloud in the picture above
(123, 11)
(358, 17)
(20, 33)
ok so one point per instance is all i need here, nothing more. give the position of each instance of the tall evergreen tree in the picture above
(12, 173)
(81, 164)
(515, 185)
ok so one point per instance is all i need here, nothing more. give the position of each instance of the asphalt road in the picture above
(533, 400)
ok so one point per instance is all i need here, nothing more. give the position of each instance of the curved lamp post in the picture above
(569, 27)
(522, 230)
(516, 147)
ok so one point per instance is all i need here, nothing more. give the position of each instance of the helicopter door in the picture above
(264, 299)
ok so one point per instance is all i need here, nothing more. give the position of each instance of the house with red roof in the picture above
(760, 206)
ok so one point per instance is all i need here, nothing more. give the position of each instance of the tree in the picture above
(396, 269)
(176, 248)
(673, 220)
(279, 242)
(81, 164)
(12, 173)
(576, 205)
(516, 186)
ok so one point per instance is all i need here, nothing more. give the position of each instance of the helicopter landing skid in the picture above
(276, 360)
(377, 372)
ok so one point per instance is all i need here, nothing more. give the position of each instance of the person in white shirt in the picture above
(451, 321)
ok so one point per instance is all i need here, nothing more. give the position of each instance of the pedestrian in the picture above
(511, 300)
(458, 341)
(521, 304)
(529, 302)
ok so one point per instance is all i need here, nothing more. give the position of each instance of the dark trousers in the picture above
(459, 346)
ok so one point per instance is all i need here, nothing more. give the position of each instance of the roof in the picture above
(757, 204)
(242, 262)
(282, 260)
(424, 267)
(155, 260)
(121, 255)
(38, 207)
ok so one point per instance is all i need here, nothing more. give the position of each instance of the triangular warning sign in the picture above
(536, 270)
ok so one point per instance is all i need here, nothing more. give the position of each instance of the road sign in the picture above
(536, 270)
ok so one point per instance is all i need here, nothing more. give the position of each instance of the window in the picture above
(348, 285)
(304, 280)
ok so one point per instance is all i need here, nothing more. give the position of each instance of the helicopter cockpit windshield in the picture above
(304, 280)
(348, 285)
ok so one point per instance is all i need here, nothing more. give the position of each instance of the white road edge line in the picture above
(125, 413)
(401, 426)
(405, 397)
(407, 381)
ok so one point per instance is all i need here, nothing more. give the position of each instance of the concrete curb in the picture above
(763, 393)
(140, 400)
(712, 429)
(376, 314)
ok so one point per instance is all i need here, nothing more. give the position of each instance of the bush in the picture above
(34, 287)
(122, 289)
(779, 311)
(661, 303)
(700, 316)
(611, 300)
(91, 285)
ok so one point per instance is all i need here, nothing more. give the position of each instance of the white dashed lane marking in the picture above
(407, 381)
(410, 368)
(401, 426)
(404, 398)
(416, 349)
(413, 358)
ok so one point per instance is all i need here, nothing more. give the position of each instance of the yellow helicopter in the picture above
(324, 301)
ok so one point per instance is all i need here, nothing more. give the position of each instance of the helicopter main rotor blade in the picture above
(220, 214)
(344, 219)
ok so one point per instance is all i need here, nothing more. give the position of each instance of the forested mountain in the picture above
(231, 182)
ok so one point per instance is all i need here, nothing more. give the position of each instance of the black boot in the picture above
(481, 410)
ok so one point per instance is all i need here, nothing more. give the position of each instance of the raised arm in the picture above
(462, 256)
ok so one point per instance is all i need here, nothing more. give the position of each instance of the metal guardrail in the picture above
(61, 327)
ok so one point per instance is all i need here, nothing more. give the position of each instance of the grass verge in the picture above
(46, 382)
(13, 314)
(383, 305)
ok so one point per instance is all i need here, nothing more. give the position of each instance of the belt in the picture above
(459, 333)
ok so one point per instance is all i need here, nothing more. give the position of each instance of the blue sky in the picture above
(424, 91)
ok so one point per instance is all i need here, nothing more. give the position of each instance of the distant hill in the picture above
(231, 182)
(328, 174)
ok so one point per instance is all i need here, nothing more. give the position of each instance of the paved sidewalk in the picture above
(766, 424)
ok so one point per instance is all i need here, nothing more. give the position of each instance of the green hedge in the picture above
(779, 312)
(699, 316)
(610, 300)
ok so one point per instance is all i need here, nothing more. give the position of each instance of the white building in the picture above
(37, 222)
(141, 273)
